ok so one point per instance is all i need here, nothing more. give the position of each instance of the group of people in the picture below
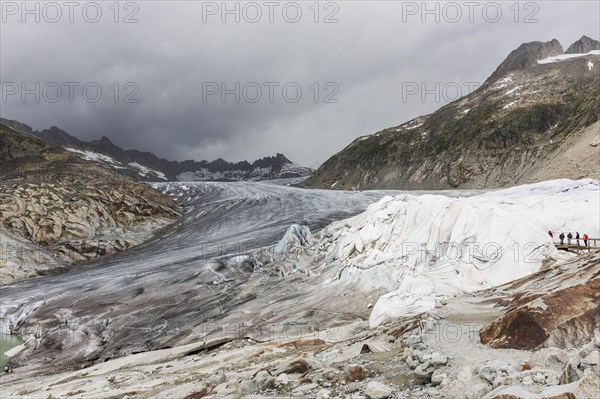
(569, 237)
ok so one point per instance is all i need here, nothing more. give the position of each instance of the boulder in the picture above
(247, 387)
(437, 377)
(549, 358)
(282, 379)
(355, 372)
(216, 379)
(264, 380)
(593, 358)
(378, 390)
(477, 391)
(438, 359)
(569, 374)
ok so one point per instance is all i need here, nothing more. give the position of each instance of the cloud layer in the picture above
(173, 66)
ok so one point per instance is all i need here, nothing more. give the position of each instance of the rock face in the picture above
(528, 122)
(583, 46)
(89, 221)
(566, 318)
(16, 125)
(68, 210)
(14, 145)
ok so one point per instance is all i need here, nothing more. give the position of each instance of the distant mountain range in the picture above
(148, 167)
(535, 118)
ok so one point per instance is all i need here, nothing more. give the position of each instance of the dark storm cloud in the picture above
(170, 54)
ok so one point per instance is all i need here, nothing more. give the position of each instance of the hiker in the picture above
(550, 234)
(562, 238)
(577, 237)
(6, 368)
(585, 239)
(569, 236)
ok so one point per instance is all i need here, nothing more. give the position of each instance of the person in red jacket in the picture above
(585, 239)
(550, 234)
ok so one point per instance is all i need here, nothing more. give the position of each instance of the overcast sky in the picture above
(355, 71)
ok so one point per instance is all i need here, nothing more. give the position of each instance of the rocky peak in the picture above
(106, 146)
(583, 46)
(277, 161)
(57, 136)
(16, 125)
(526, 55)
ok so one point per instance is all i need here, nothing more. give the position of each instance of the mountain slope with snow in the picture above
(148, 167)
(521, 126)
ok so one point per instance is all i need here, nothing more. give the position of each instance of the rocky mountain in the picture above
(583, 46)
(57, 209)
(147, 166)
(277, 167)
(534, 119)
(526, 55)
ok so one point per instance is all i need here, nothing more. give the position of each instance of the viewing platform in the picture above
(593, 245)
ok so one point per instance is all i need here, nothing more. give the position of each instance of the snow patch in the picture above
(502, 83)
(564, 57)
(413, 127)
(512, 91)
(96, 157)
(144, 171)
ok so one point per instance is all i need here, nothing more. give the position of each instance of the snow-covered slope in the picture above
(109, 162)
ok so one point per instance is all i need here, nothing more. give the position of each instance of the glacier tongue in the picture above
(422, 247)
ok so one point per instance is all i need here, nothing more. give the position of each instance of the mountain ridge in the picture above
(143, 165)
(511, 130)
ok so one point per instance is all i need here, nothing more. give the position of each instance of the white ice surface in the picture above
(433, 245)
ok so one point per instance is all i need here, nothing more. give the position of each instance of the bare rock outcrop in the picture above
(583, 46)
(565, 318)
(56, 209)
